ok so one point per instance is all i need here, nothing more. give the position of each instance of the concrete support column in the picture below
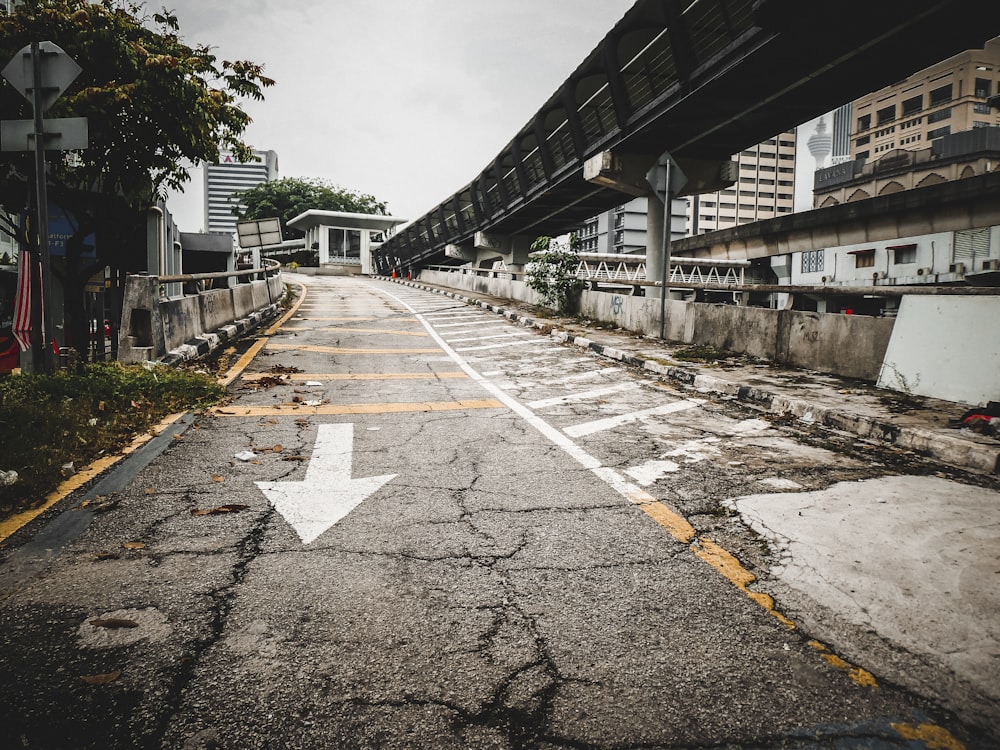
(654, 245)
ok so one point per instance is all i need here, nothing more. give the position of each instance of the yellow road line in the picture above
(78, 480)
(381, 331)
(340, 409)
(339, 350)
(359, 376)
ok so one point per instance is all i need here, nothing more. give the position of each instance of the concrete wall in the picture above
(851, 346)
(217, 308)
(154, 328)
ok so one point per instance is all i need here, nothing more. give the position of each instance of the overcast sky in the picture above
(405, 99)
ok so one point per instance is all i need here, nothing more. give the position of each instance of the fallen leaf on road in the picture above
(294, 458)
(108, 555)
(278, 448)
(113, 623)
(232, 508)
(101, 679)
(134, 545)
(217, 478)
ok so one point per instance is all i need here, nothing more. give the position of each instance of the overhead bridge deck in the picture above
(702, 80)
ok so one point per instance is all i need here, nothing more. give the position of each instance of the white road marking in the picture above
(581, 396)
(610, 423)
(509, 335)
(493, 346)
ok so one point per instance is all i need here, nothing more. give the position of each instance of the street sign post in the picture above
(42, 71)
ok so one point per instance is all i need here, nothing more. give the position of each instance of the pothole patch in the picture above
(123, 627)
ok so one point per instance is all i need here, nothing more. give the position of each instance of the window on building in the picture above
(765, 168)
(746, 207)
(766, 195)
(785, 183)
(980, 124)
(863, 155)
(748, 153)
(747, 193)
(912, 105)
(785, 196)
(864, 258)
(864, 122)
(787, 144)
(751, 167)
(902, 254)
(812, 261)
(786, 170)
(982, 108)
(941, 114)
(946, 130)
(863, 140)
(886, 114)
(940, 95)
(765, 181)
(984, 87)
(767, 154)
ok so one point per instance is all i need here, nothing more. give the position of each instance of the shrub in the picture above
(47, 421)
(552, 271)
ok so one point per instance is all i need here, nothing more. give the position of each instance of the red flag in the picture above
(22, 302)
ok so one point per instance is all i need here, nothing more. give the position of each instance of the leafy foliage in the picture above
(47, 421)
(552, 271)
(289, 197)
(153, 103)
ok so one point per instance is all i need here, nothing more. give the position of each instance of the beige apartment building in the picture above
(946, 98)
(935, 126)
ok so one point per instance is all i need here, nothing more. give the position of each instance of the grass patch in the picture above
(48, 421)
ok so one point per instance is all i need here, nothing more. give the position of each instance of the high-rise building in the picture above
(841, 145)
(229, 177)
(765, 188)
(623, 229)
(943, 99)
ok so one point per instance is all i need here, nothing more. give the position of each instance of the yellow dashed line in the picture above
(341, 409)
(934, 737)
(78, 480)
(339, 350)
(297, 376)
(734, 572)
(380, 331)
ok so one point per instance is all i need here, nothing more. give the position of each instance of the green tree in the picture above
(291, 196)
(154, 105)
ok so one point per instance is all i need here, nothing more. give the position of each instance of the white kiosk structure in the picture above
(343, 240)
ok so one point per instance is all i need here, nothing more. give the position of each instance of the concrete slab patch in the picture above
(916, 559)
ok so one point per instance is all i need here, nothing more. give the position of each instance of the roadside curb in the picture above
(952, 450)
(201, 346)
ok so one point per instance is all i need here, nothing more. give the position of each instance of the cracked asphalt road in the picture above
(510, 587)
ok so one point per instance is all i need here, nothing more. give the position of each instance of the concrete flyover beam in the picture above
(512, 249)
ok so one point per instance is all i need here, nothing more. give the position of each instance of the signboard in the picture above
(260, 233)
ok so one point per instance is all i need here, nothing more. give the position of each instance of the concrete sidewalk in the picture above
(928, 427)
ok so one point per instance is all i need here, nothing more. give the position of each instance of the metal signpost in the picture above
(42, 72)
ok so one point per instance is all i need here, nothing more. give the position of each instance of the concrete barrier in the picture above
(851, 346)
(171, 329)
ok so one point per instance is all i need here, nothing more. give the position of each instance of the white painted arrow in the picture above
(328, 493)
